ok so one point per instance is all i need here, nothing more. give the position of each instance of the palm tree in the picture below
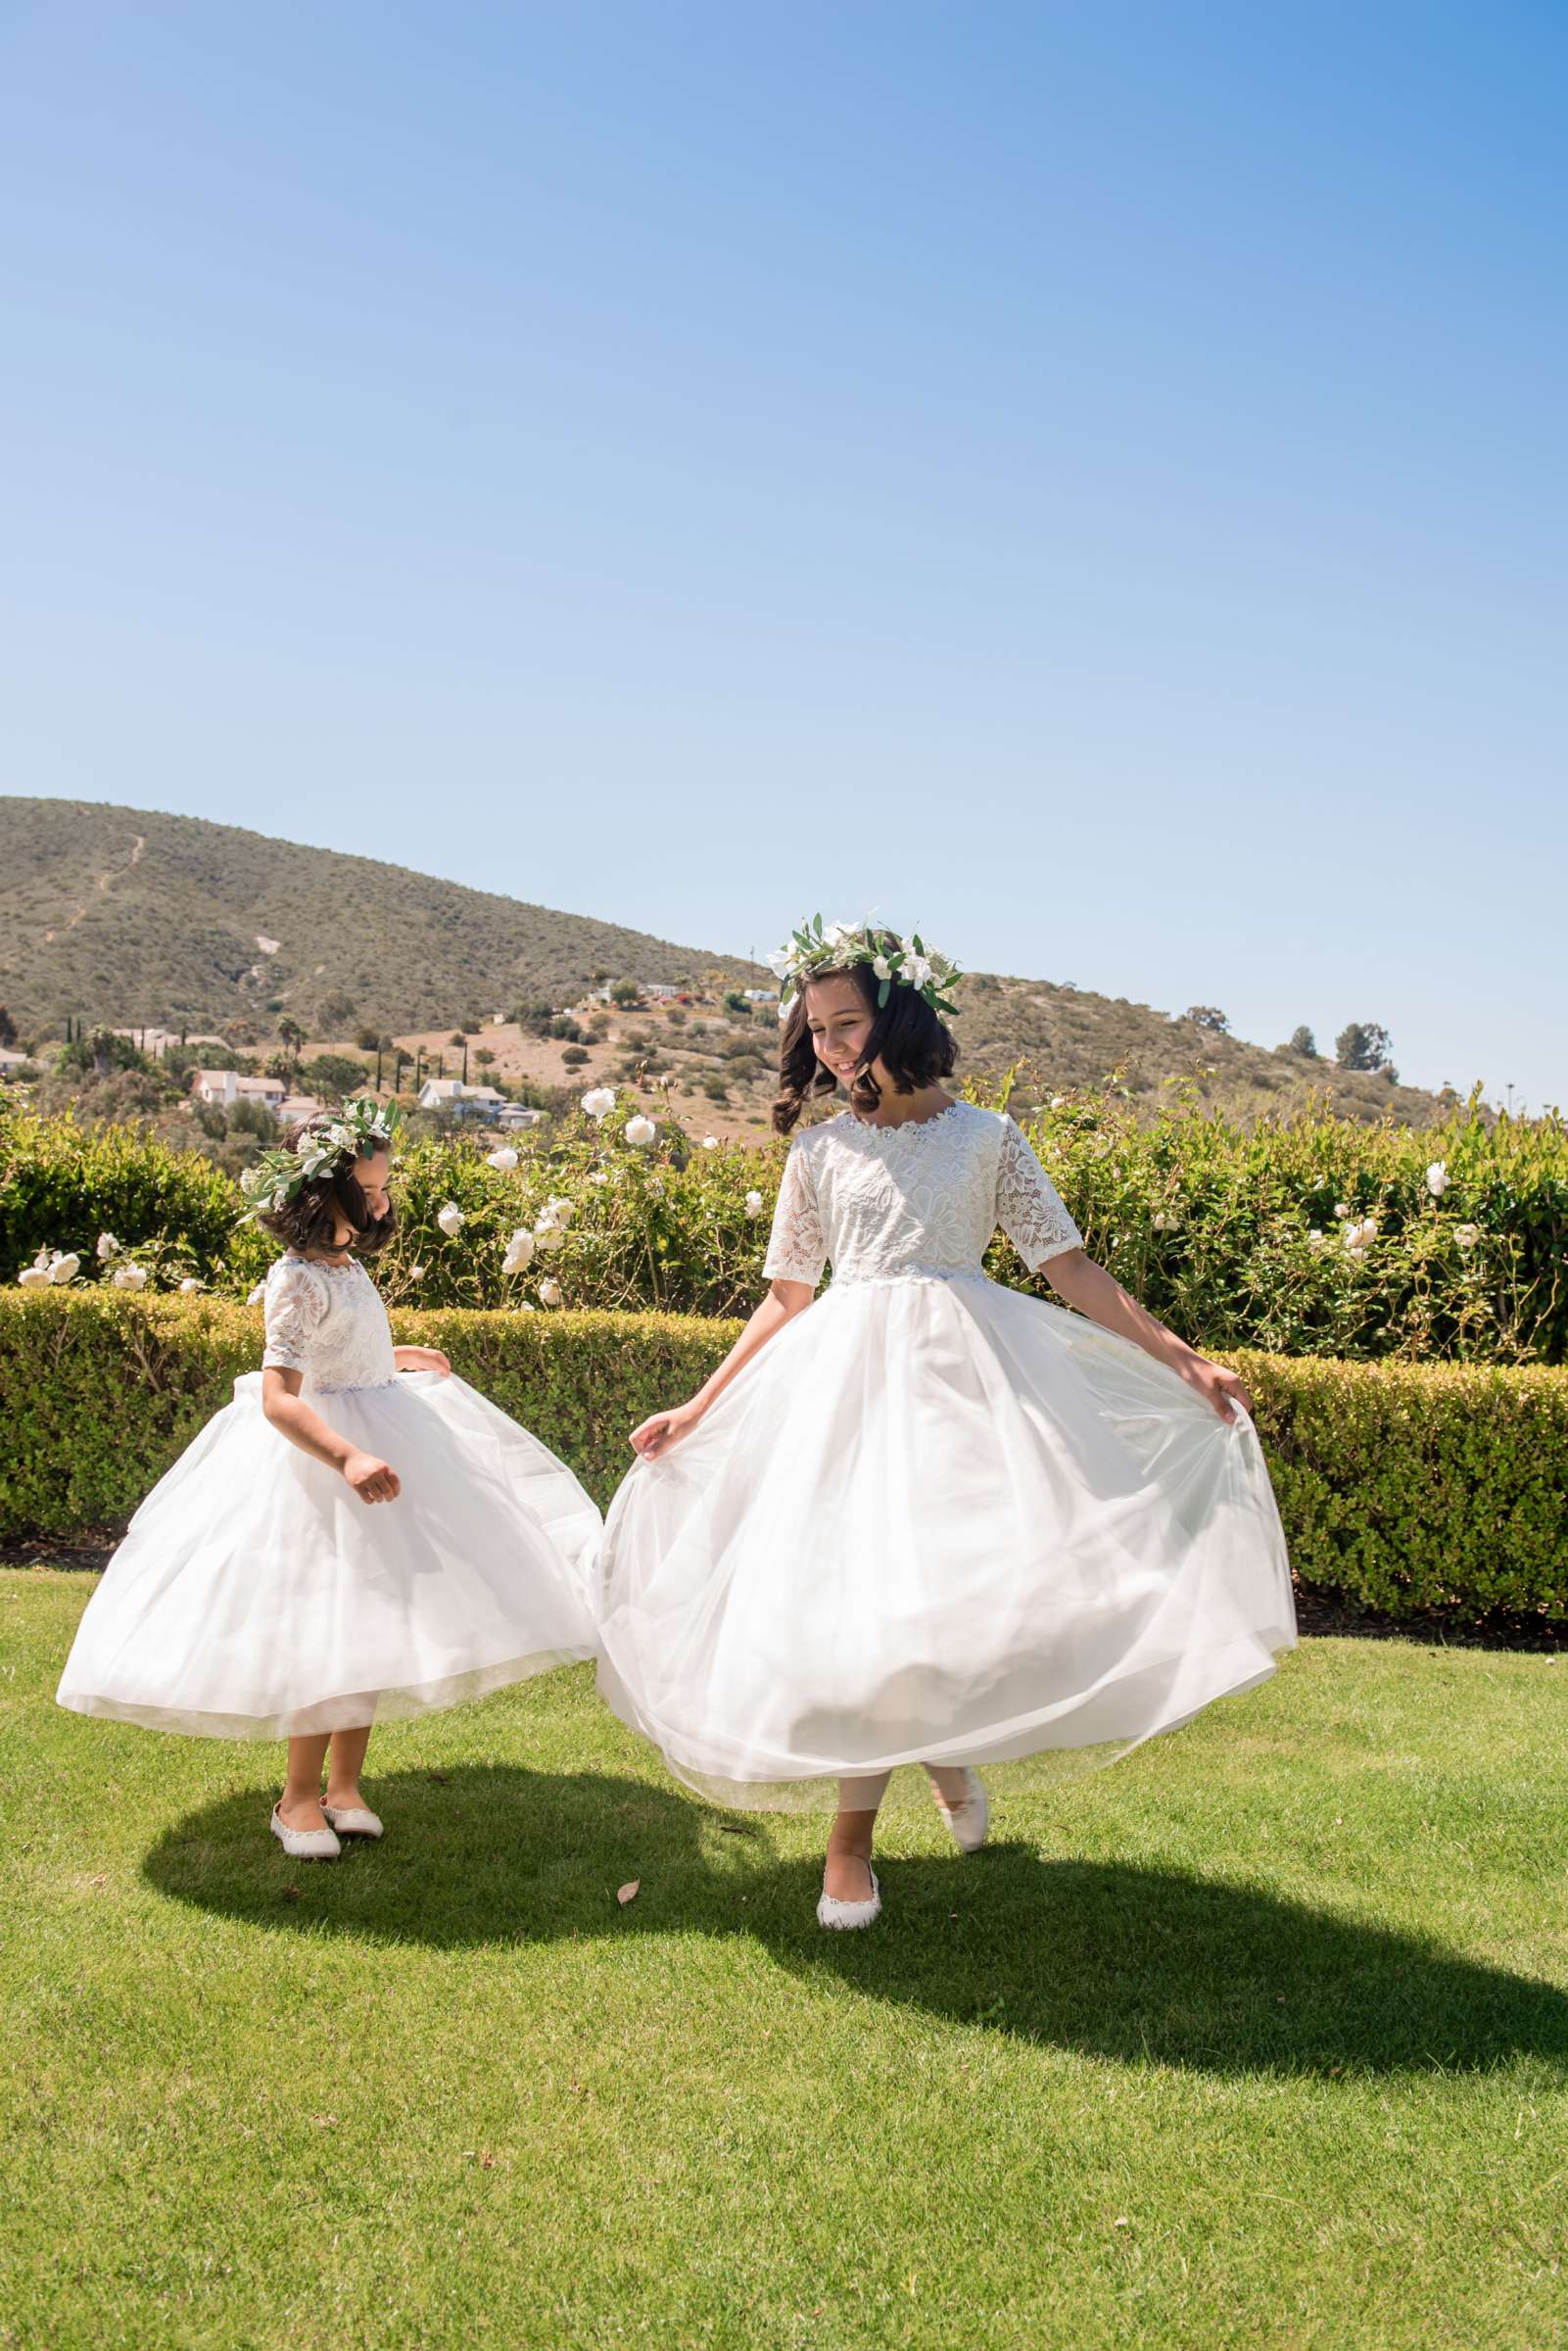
(291, 1036)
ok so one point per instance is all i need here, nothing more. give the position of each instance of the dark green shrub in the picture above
(1410, 1490)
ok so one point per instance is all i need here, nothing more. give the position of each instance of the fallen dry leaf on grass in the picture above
(628, 1891)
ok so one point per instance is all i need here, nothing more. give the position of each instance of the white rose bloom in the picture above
(63, 1269)
(257, 1295)
(640, 1131)
(563, 1211)
(416, 1272)
(599, 1177)
(452, 1219)
(549, 1291)
(1057, 1101)
(753, 1204)
(1160, 1219)
(525, 1306)
(505, 1159)
(710, 1142)
(1437, 1179)
(599, 1101)
(1369, 1228)
(108, 1246)
(130, 1278)
(1340, 1209)
(189, 1284)
(519, 1252)
(1467, 1235)
(35, 1277)
(1316, 1233)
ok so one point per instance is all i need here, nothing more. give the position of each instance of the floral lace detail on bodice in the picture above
(915, 1202)
(328, 1323)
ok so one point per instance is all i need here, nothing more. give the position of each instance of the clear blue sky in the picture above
(1088, 480)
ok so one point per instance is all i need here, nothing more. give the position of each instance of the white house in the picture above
(10, 1061)
(760, 995)
(512, 1116)
(295, 1109)
(464, 1101)
(227, 1086)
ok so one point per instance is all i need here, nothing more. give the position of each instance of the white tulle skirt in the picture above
(935, 1522)
(257, 1597)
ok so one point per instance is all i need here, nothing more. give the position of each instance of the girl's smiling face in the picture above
(841, 1023)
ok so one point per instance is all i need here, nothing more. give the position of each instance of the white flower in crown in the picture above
(599, 1101)
(640, 1131)
(129, 1278)
(753, 1204)
(107, 1246)
(452, 1219)
(894, 962)
(549, 1291)
(505, 1159)
(1437, 1179)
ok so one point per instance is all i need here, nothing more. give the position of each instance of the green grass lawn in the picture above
(1260, 2037)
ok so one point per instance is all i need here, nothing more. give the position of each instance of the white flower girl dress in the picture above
(257, 1597)
(934, 1519)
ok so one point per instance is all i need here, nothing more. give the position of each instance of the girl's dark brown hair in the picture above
(311, 1219)
(913, 1042)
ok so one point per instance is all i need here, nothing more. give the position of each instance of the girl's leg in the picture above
(300, 1806)
(951, 1783)
(846, 1871)
(344, 1762)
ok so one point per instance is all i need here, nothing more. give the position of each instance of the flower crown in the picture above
(360, 1129)
(896, 962)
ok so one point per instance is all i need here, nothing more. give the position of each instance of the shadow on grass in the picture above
(1107, 1958)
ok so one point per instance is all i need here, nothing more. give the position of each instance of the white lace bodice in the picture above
(913, 1202)
(328, 1323)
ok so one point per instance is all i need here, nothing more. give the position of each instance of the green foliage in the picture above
(58, 1177)
(1227, 1234)
(1410, 1490)
(1231, 1235)
(331, 1075)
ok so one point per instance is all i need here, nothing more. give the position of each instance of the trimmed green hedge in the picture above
(1405, 1489)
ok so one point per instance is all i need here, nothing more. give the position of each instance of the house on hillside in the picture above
(227, 1088)
(10, 1062)
(295, 1109)
(483, 1102)
(760, 995)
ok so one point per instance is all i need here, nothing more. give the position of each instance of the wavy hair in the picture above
(914, 1044)
(311, 1219)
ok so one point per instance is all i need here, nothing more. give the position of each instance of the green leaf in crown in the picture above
(896, 962)
(362, 1127)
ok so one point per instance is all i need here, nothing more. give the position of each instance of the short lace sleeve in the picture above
(295, 1303)
(797, 1249)
(1028, 1205)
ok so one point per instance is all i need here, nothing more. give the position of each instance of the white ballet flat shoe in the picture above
(353, 1820)
(969, 1821)
(830, 1912)
(305, 1844)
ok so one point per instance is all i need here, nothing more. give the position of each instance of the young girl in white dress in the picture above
(359, 1535)
(931, 1519)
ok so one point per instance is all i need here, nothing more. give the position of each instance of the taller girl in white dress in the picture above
(931, 1519)
(359, 1535)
